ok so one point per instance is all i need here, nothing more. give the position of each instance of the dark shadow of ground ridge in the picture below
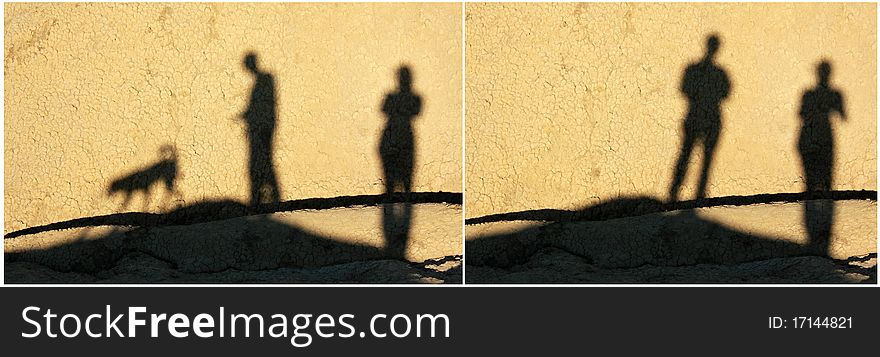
(263, 244)
(623, 234)
(676, 240)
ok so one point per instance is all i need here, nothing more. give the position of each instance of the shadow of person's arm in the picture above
(418, 106)
(687, 83)
(386, 105)
(242, 117)
(725, 85)
(840, 106)
(805, 100)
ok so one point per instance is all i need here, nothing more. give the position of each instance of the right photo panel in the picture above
(671, 143)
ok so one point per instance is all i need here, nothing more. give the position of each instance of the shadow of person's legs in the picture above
(709, 142)
(681, 165)
(818, 220)
(818, 213)
(396, 219)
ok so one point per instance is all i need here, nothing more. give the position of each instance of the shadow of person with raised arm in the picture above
(706, 85)
(397, 150)
(816, 148)
(260, 118)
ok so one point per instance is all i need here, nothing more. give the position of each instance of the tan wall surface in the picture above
(572, 104)
(92, 91)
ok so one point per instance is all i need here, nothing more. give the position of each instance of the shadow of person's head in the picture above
(713, 43)
(250, 62)
(823, 72)
(404, 78)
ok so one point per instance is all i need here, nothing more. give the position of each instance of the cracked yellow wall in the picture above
(92, 91)
(572, 104)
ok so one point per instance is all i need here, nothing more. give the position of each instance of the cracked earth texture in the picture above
(552, 265)
(753, 243)
(140, 268)
(93, 91)
(573, 104)
(332, 245)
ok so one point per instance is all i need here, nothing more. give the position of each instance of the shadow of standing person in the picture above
(816, 148)
(260, 118)
(706, 85)
(397, 150)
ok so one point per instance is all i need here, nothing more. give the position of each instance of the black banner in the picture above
(402, 320)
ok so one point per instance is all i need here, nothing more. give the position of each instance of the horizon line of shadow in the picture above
(207, 211)
(637, 206)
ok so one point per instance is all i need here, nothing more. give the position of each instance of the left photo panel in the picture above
(232, 143)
